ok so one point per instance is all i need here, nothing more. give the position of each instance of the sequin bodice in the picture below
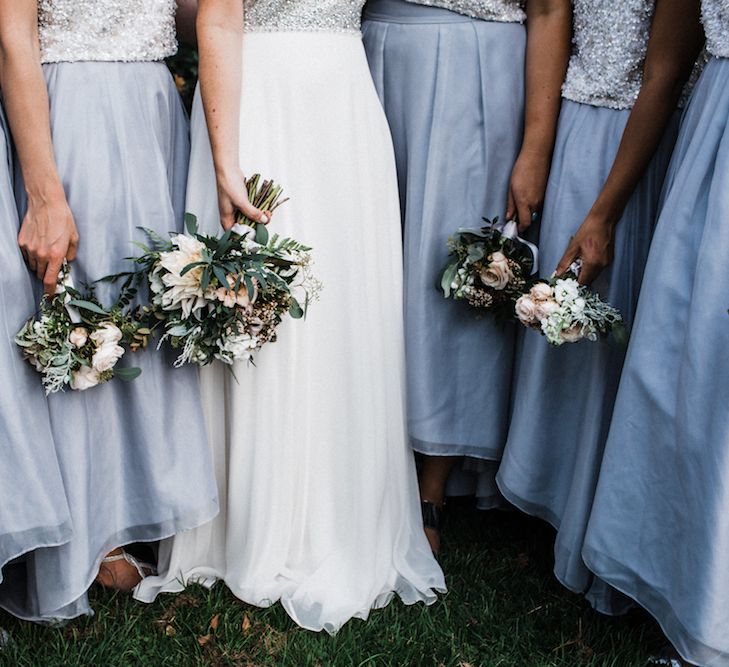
(609, 47)
(303, 15)
(507, 11)
(106, 30)
(715, 16)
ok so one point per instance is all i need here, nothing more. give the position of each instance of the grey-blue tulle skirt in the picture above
(453, 91)
(134, 457)
(564, 396)
(33, 507)
(659, 529)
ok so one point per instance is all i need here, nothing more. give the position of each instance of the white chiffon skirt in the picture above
(319, 499)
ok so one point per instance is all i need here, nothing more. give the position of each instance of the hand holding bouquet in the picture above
(75, 342)
(223, 298)
(489, 268)
(566, 312)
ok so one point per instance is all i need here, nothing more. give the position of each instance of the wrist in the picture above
(45, 194)
(605, 214)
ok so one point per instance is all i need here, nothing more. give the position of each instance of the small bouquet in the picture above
(566, 312)
(224, 297)
(73, 341)
(489, 267)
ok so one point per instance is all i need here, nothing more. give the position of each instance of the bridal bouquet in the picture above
(224, 297)
(489, 268)
(73, 341)
(566, 312)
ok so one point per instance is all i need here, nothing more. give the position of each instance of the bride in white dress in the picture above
(319, 500)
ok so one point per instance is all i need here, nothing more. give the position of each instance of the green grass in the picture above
(504, 609)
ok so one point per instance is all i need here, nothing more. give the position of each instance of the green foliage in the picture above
(503, 609)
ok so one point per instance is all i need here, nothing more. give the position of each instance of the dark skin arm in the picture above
(675, 42)
(549, 30)
(48, 233)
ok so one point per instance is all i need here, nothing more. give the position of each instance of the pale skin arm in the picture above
(675, 41)
(220, 36)
(549, 26)
(48, 233)
(186, 16)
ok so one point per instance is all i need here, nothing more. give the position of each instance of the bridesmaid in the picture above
(33, 508)
(659, 529)
(103, 147)
(451, 79)
(608, 169)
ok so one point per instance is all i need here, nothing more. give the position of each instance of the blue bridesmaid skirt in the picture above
(33, 508)
(564, 396)
(134, 456)
(452, 89)
(659, 529)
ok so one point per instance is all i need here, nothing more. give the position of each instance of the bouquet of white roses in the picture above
(223, 298)
(566, 312)
(73, 341)
(489, 268)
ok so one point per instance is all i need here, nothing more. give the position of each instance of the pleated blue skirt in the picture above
(659, 529)
(33, 507)
(134, 457)
(564, 396)
(453, 91)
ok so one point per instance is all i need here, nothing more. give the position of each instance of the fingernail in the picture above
(264, 218)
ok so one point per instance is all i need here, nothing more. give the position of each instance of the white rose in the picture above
(546, 308)
(573, 334)
(541, 292)
(107, 333)
(106, 356)
(78, 337)
(240, 347)
(84, 378)
(566, 290)
(497, 257)
(526, 309)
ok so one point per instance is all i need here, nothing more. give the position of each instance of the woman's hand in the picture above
(233, 196)
(526, 189)
(594, 244)
(47, 238)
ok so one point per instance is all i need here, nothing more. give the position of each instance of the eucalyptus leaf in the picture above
(262, 234)
(90, 306)
(296, 311)
(191, 224)
(127, 374)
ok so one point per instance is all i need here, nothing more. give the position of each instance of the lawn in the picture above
(504, 609)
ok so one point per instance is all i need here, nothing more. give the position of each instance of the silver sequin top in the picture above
(106, 30)
(302, 15)
(506, 11)
(715, 16)
(609, 47)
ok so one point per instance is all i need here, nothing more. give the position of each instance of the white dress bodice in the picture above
(106, 30)
(303, 15)
(609, 48)
(506, 11)
(715, 17)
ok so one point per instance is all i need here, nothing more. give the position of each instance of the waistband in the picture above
(400, 11)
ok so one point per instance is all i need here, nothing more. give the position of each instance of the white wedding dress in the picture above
(318, 492)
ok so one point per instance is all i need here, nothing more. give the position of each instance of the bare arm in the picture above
(186, 15)
(675, 41)
(549, 26)
(48, 233)
(220, 36)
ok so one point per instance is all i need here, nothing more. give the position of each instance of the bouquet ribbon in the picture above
(67, 281)
(511, 231)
